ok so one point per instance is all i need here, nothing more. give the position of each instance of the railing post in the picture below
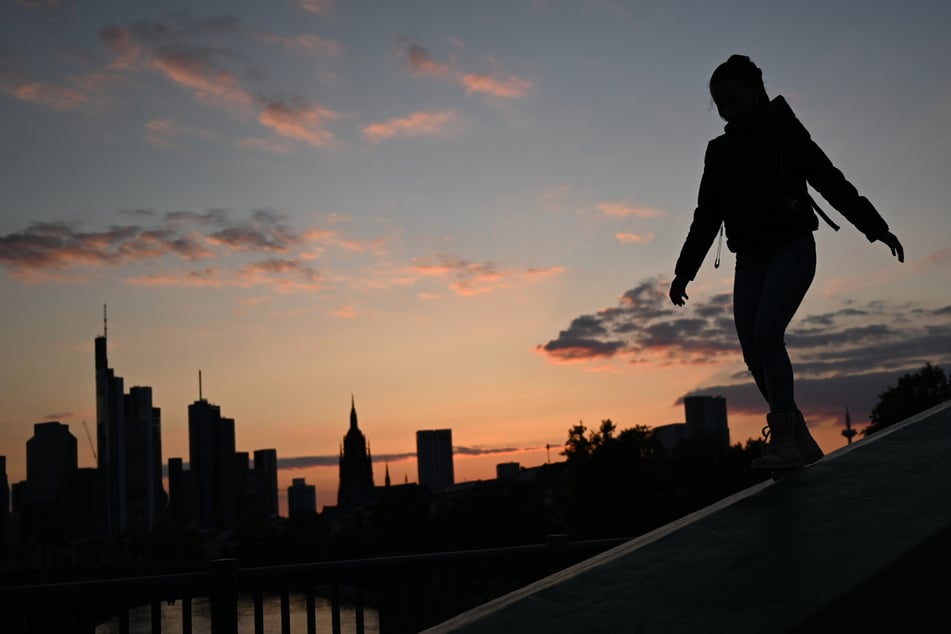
(559, 553)
(224, 596)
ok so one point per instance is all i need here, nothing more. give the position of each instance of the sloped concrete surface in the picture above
(764, 560)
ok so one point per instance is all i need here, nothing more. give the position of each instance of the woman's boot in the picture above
(809, 449)
(781, 451)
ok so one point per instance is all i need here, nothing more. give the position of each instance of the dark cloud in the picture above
(183, 235)
(305, 462)
(644, 326)
(846, 356)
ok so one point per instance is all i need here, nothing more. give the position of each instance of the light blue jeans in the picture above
(767, 290)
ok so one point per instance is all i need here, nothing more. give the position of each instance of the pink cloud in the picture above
(416, 124)
(511, 87)
(626, 210)
(474, 278)
(210, 85)
(634, 238)
(422, 63)
(299, 121)
(50, 95)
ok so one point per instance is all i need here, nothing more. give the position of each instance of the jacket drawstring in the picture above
(821, 213)
(716, 263)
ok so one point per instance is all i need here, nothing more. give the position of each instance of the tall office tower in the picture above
(706, 418)
(356, 465)
(110, 441)
(4, 499)
(434, 459)
(51, 463)
(182, 494)
(213, 461)
(301, 498)
(265, 466)
(145, 497)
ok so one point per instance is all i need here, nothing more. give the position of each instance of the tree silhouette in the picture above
(915, 392)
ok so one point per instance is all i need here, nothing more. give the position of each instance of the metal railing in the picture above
(409, 592)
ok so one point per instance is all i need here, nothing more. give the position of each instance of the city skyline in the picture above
(465, 215)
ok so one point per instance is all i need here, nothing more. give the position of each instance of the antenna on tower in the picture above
(105, 321)
(200, 396)
(848, 432)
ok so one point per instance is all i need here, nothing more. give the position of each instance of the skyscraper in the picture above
(182, 494)
(301, 498)
(213, 459)
(434, 459)
(265, 466)
(51, 460)
(51, 463)
(4, 499)
(129, 451)
(356, 465)
(110, 441)
(145, 497)
(706, 418)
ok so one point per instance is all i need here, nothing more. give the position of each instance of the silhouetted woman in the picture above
(754, 184)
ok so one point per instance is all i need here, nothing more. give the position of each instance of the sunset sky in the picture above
(465, 214)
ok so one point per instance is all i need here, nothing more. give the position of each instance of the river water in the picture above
(140, 619)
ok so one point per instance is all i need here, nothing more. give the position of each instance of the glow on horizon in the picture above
(464, 215)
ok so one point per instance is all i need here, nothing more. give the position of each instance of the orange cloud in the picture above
(282, 275)
(211, 85)
(474, 278)
(633, 238)
(511, 87)
(416, 124)
(210, 276)
(299, 121)
(50, 95)
(626, 210)
(422, 63)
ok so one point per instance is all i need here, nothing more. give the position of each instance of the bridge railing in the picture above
(408, 592)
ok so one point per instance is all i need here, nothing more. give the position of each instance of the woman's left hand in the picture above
(893, 243)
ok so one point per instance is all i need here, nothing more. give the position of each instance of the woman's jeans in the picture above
(767, 291)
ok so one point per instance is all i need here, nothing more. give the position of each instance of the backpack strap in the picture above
(821, 213)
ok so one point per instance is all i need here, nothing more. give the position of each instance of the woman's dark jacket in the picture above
(754, 182)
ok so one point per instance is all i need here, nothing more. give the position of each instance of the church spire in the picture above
(353, 413)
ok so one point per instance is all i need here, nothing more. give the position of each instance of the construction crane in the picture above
(91, 446)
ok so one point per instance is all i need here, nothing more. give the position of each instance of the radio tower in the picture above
(848, 432)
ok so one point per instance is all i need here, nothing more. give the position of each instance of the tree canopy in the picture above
(915, 392)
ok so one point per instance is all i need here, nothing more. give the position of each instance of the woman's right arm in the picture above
(706, 222)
